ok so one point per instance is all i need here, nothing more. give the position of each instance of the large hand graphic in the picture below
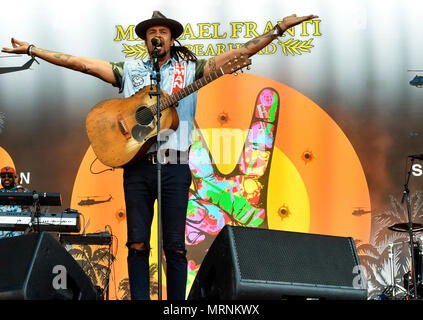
(238, 198)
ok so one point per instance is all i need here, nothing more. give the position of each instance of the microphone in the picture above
(416, 156)
(156, 42)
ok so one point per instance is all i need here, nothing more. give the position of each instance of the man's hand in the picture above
(19, 47)
(293, 20)
(237, 198)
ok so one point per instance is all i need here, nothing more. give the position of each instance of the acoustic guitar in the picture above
(122, 130)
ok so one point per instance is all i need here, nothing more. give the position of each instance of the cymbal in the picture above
(403, 227)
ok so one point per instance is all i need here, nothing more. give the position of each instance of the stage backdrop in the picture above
(334, 105)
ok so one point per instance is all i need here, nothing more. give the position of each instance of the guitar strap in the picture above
(178, 76)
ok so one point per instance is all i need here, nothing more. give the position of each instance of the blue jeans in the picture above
(140, 186)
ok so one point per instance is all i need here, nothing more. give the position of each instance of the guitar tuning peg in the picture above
(248, 67)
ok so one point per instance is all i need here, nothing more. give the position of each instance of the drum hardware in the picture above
(408, 288)
(393, 289)
(403, 227)
(418, 267)
(410, 228)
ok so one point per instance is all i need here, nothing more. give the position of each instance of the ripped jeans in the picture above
(140, 186)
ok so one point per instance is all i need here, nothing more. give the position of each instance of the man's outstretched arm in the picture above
(99, 68)
(255, 45)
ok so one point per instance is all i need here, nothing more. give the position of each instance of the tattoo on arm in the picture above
(40, 50)
(212, 64)
(258, 39)
(58, 55)
(75, 64)
(254, 42)
(85, 69)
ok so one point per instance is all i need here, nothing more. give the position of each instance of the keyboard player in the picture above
(10, 183)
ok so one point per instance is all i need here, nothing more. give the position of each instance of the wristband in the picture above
(279, 29)
(29, 50)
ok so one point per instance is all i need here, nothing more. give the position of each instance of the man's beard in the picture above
(161, 55)
(9, 186)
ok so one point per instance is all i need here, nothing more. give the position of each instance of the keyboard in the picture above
(49, 221)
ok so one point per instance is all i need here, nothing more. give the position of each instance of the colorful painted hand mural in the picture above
(236, 198)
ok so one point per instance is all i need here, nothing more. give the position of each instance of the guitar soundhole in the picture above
(144, 116)
(140, 132)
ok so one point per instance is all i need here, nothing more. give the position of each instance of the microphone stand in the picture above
(157, 93)
(406, 194)
(34, 224)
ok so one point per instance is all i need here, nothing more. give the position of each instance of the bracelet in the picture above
(29, 50)
(278, 27)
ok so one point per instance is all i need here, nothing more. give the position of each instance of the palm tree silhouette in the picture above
(94, 263)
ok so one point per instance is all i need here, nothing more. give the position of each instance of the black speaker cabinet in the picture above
(37, 267)
(251, 263)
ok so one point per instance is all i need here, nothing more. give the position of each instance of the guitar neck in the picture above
(180, 94)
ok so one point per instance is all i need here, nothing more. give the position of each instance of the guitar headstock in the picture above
(236, 64)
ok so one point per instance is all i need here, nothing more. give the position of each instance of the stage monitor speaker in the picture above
(36, 267)
(251, 263)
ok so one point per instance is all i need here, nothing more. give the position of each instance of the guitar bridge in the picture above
(122, 126)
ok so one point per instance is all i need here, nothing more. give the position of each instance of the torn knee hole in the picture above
(173, 250)
(141, 246)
